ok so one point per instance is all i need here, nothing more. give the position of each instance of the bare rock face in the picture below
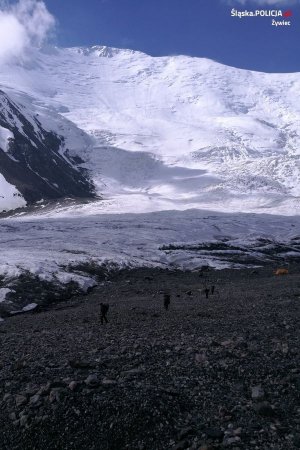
(35, 160)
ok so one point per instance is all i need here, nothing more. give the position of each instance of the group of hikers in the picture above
(104, 307)
(167, 297)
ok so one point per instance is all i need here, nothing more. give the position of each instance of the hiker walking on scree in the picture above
(104, 307)
(167, 301)
(206, 291)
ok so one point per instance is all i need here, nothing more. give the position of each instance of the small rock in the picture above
(35, 399)
(57, 384)
(92, 381)
(226, 343)
(30, 390)
(131, 372)
(45, 390)
(74, 385)
(18, 365)
(200, 358)
(285, 348)
(23, 420)
(107, 382)
(257, 393)
(228, 441)
(76, 411)
(237, 431)
(13, 416)
(20, 400)
(264, 409)
(215, 433)
(6, 397)
(54, 395)
(79, 364)
(295, 379)
(184, 433)
(297, 440)
(182, 445)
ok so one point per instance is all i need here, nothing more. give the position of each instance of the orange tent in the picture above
(281, 272)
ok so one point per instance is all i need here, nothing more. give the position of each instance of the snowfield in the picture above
(10, 197)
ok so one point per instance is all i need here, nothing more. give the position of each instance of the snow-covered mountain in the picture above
(166, 133)
(148, 134)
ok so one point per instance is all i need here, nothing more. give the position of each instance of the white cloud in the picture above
(23, 25)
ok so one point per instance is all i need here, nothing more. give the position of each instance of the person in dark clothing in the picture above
(103, 311)
(212, 289)
(167, 301)
(206, 290)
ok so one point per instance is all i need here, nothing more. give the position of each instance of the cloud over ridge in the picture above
(23, 25)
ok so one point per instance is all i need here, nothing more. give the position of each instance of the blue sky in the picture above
(201, 28)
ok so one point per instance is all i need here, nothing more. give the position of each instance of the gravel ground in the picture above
(222, 372)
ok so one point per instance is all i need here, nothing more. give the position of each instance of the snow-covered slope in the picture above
(172, 132)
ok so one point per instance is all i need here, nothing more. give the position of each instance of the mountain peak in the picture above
(103, 51)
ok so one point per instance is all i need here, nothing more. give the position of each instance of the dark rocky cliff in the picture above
(36, 160)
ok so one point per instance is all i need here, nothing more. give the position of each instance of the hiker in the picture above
(167, 301)
(206, 290)
(104, 307)
(212, 289)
